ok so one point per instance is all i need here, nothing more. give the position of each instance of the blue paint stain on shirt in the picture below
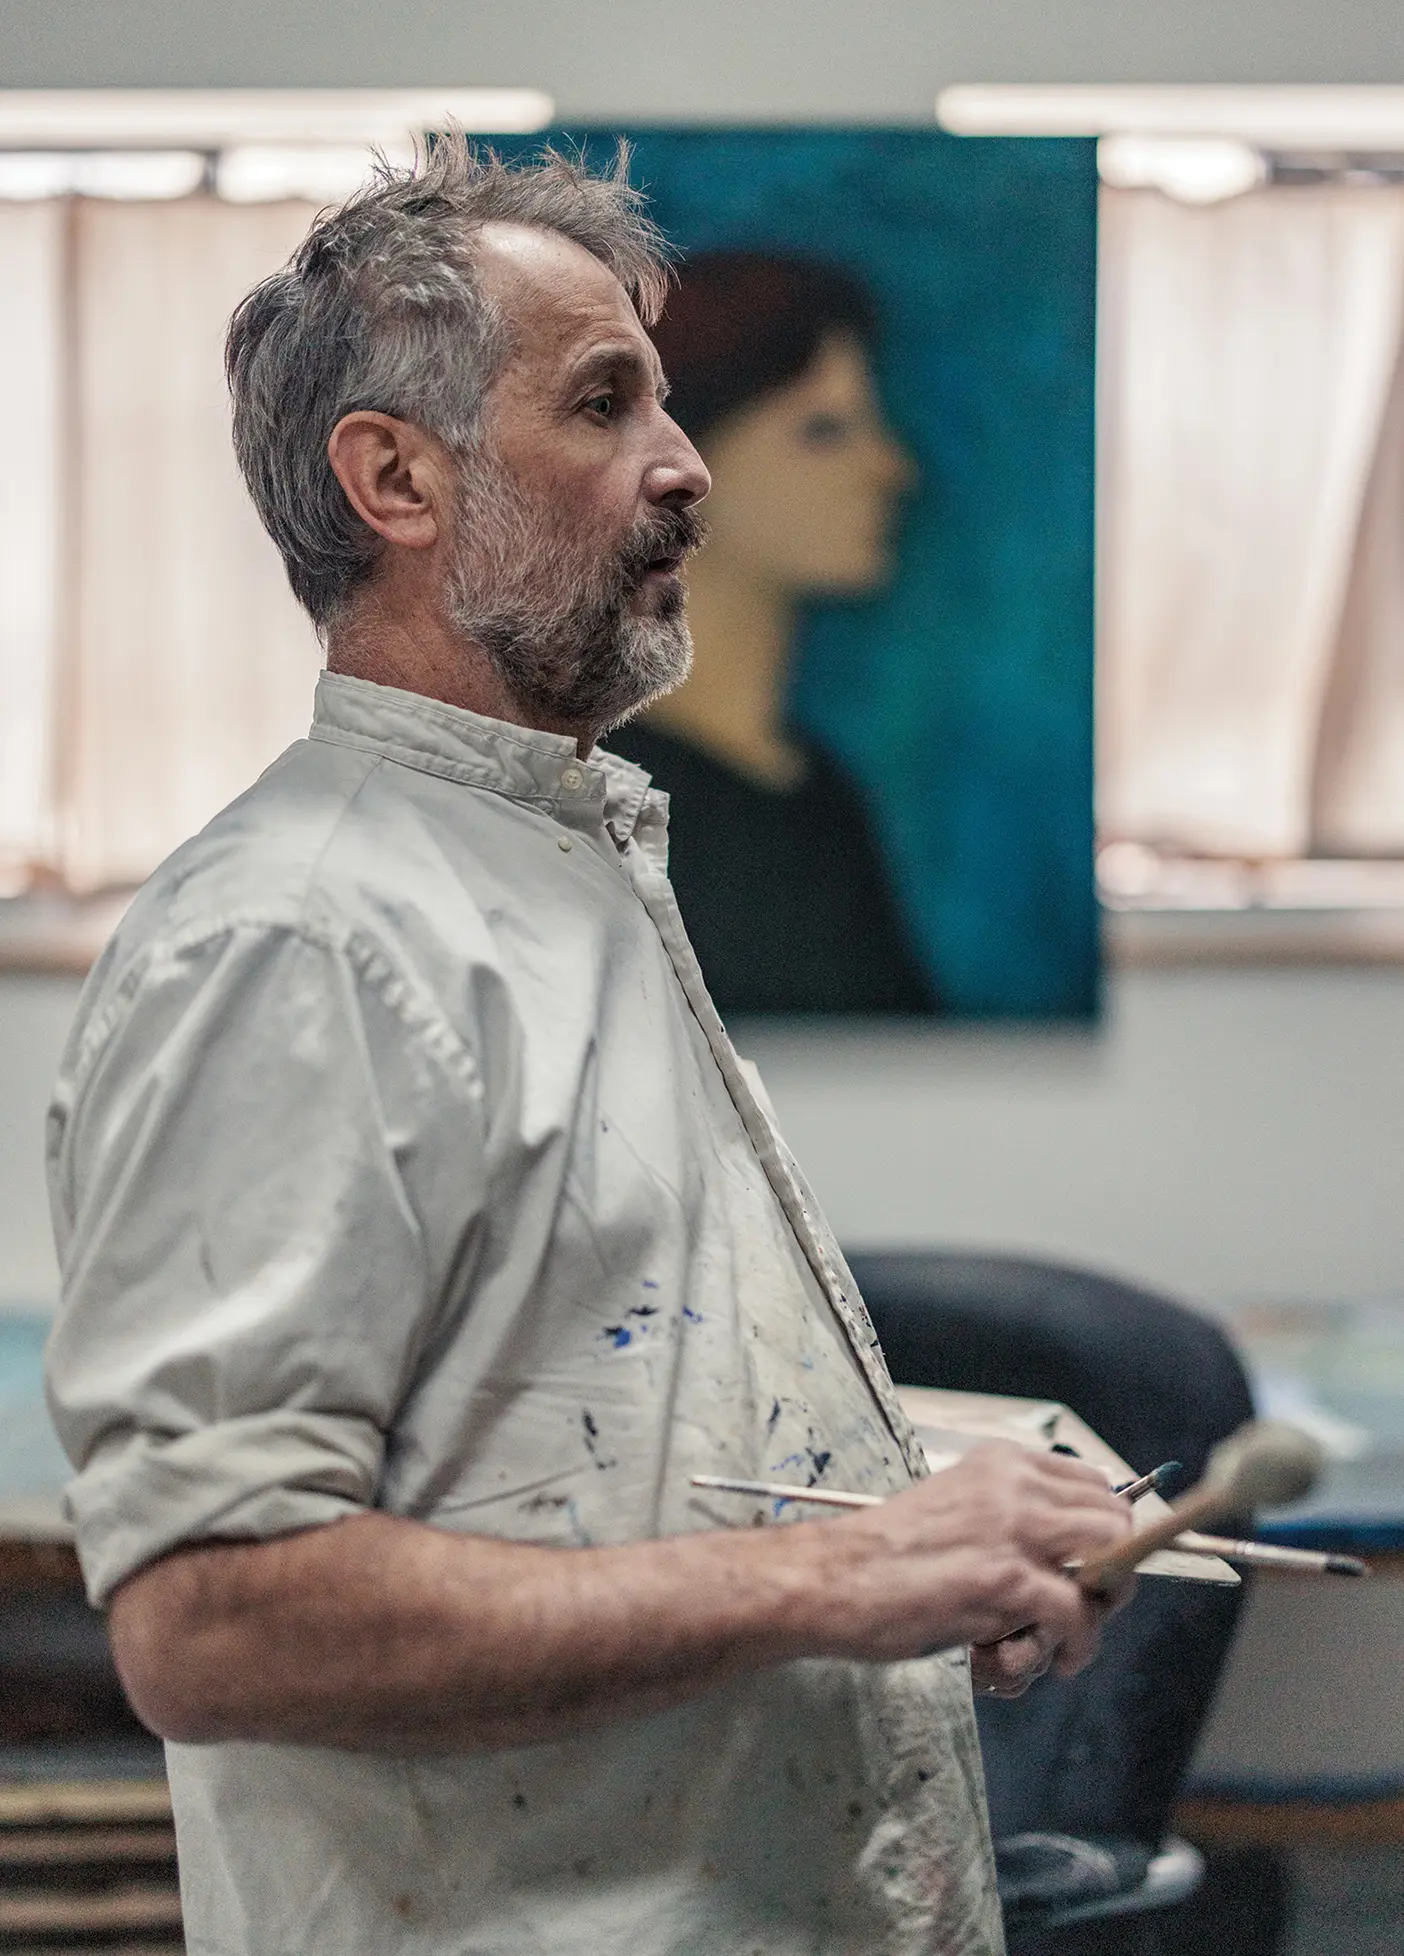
(619, 1335)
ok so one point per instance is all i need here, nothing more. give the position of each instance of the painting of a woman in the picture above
(773, 853)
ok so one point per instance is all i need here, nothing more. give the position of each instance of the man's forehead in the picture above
(559, 297)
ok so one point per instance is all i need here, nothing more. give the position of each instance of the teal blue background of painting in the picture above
(962, 697)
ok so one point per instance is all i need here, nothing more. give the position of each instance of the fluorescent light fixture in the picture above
(130, 174)
(29, 175)
(265, 173)
(1192, 169)
(135, 173)
(218, 118)
(1274, 118)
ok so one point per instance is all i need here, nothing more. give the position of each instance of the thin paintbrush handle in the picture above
(826, 1497)
(1269, 1555)
(1106, 1568)
(780, 1491)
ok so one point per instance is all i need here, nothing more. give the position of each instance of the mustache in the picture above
(668, 536)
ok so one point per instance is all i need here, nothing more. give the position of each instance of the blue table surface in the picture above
(31, 1459)
(1336, 1368)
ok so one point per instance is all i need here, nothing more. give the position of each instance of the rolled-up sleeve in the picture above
(266, 1167)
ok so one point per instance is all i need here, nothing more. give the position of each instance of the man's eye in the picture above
(824, 430)
(601, 404)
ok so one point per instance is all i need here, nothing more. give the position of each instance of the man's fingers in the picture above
(1008, 1668)
(993, 1536)
(1058, 1507)
(1060, 1469)
(1067, 1535)
(1065, 1639)
(1059, 1473)
(1064, 1626)
(1080, 1646)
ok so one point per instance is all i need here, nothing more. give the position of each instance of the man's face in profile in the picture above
(575, 511)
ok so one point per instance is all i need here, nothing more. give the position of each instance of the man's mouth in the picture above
(661, 552)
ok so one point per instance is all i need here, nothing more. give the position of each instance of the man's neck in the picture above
(401, 639)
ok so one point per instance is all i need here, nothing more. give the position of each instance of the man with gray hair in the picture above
(422, 1235)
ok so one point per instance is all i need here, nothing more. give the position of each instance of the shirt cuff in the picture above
(243, 1480)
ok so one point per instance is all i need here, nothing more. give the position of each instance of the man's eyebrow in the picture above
(603, 361)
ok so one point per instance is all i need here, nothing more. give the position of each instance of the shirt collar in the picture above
(520, 762)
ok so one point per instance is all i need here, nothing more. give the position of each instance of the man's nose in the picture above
(679, 475)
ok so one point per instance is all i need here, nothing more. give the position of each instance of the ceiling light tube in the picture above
(1333, 117)
(216, 118)
(1191, 169)
(133, 175)
(266, 173)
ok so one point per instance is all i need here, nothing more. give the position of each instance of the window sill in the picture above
(1141, 938)
(47, 932)
(1167, 909)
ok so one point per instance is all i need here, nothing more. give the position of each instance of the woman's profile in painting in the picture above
(778, 871)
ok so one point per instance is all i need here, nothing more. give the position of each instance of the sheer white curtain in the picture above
(32, 263)
(190, 665)
(1359, 801)
(1248, 350)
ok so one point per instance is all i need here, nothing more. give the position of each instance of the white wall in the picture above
(707, 58)
(1226, 1133)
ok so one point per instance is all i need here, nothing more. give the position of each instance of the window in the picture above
(155, 660)
(1251, 490)
(1251, 691)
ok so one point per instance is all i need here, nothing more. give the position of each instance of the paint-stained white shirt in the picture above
(400, 1161)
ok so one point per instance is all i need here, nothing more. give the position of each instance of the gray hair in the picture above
(380, 307)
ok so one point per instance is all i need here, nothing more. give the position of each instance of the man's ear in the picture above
(394, 475)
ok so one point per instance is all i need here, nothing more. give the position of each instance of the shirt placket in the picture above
(782, 1172)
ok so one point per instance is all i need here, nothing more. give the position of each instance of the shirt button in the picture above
(572, 779)
(563, 844)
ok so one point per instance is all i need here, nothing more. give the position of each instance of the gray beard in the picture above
(553, 612)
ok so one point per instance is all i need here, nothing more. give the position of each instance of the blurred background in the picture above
(1155, 1018)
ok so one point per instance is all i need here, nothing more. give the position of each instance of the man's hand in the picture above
(1007, 1668)
(976, 1555)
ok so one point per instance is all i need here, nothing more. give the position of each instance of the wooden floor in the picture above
(104, 1948)
(88, 1865)
(1296, 1824)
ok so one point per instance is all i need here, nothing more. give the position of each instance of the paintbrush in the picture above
(1264, 1555)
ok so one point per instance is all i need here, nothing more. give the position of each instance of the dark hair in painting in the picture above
(740, 323)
